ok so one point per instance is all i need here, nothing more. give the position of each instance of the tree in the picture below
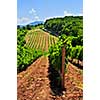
(28, 27)
(18, 26)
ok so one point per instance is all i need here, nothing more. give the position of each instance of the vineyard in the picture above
(40, 40)
(40, 55)
(31, 45)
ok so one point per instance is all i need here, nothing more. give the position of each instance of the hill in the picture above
(39, 39)
(32, 23)
(36, 23)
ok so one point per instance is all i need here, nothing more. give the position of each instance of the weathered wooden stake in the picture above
(63, 67)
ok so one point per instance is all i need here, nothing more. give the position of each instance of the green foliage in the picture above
(55, 56)
(29, 27)
(77, 40)
(56, 51)
(75, 51)
(70, 33)
(25, 55)
(69, 25)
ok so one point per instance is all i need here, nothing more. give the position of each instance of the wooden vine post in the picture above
(63, 68)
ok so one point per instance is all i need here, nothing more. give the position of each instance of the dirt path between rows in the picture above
(35, 84)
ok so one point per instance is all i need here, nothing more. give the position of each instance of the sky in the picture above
(40, 10)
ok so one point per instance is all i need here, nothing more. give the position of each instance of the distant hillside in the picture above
(36, 23)
(33, 23)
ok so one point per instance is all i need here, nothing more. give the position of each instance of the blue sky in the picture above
(34, 10)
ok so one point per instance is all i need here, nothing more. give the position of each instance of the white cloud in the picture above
(32, 11)
(66, 13)
(52, 17)
(36, 18)
(34, 14)
(23, 20)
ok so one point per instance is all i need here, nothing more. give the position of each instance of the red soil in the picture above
(34, 84)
